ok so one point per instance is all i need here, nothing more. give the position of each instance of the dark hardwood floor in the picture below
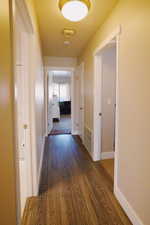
(74, 190)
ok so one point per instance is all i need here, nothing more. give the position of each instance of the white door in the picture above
(81, 101)
(23, 116)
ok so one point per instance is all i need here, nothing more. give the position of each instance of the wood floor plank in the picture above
(31, 212)
(108, 165)
(74, 190)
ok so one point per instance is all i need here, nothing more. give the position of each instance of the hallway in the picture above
(73, 189)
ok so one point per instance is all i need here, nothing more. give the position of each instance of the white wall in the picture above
(60, 61)
(108, 98)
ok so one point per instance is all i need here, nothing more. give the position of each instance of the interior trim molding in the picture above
(115, 33)
(107, 155)
(127, 207)
(96, 139)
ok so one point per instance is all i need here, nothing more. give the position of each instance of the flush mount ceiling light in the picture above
(74, 10)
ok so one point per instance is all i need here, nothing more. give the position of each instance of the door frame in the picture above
(81, 111)
(21, 7)
(47, 93)
(96, 139)
(69, 69)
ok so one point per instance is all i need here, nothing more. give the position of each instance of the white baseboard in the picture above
(90, 154)
(95, 157)
(107, 155)
(40, 166)
(75, 132)
(127, 208)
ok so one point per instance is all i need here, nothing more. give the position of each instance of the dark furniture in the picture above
(65, 107)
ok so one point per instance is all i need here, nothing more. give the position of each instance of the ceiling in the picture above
(52, 23)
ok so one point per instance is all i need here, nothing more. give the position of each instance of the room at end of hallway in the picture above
(62, 126)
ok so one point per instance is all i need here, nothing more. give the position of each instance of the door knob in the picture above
(100, 114)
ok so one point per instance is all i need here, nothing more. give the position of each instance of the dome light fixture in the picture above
(74, 10)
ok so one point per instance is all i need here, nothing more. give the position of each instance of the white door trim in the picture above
(21, 7)
(96, 132)
(97, 108)
(72, 103)
(81, 111)
(97, 102)
(46, 99)
(113, 35)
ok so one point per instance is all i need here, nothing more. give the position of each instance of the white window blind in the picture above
(62, 91)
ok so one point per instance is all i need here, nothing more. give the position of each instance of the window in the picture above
(62, 91)
(56, 89)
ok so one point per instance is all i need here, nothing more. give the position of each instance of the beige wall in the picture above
(7, 152)
(7, 170)
(134, 95)
(108, 98)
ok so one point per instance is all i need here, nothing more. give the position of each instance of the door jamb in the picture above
(96, 140)
(82, 65)
(72, 102)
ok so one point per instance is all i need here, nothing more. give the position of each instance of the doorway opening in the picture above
(59, 102)
(106, 93)
(108, 107)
